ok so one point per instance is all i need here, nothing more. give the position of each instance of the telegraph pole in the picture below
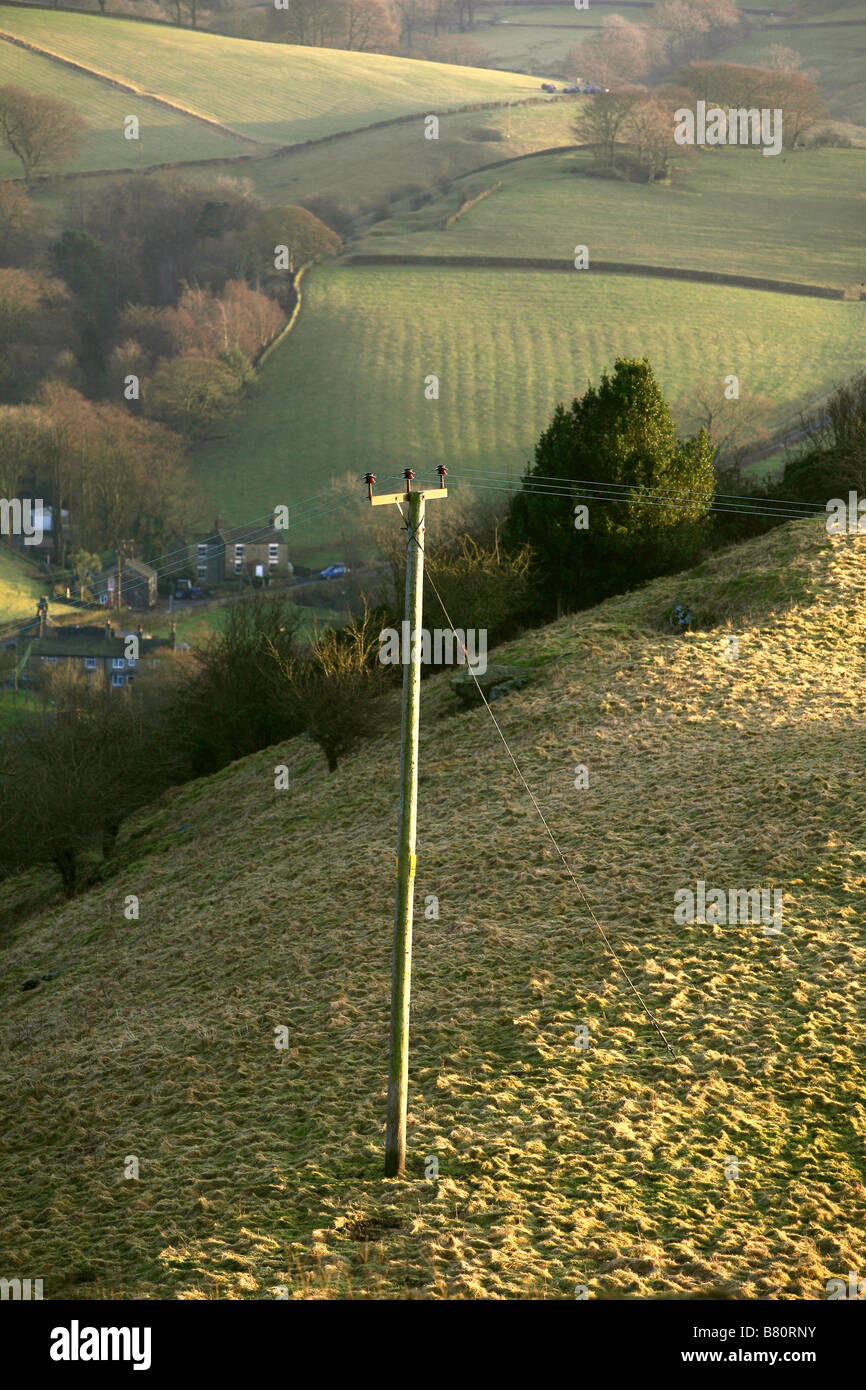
(401, 969)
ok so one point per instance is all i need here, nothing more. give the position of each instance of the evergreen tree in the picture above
(618, 440)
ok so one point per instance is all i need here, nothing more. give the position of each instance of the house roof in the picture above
(253, 535)
(90, 641)
(213, 541)
(136, 566)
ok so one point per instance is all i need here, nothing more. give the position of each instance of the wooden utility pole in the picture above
(401, 970)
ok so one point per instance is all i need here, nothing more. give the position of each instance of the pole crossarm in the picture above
(388, 499)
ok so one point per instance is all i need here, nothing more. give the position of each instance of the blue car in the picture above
(334, 572)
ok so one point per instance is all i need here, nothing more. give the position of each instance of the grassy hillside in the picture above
(506, 347)
(275, 93)
(741, 215)
(20, 587)
(164, 132)
(262, 1169)
(373, 163)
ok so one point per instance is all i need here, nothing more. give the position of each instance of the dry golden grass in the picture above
(261, 1170)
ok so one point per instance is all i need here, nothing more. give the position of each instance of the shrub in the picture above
(233, 701)
(192, 394)
(334, 690)
(72, 775)
(828, 137)
(338, 216)
(619, 438)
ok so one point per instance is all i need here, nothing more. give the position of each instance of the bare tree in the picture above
(741, 85)
(621, 53)
(602, 121)
(413, 14)
(465, 10)
(649, 128)
(41, 131)
(334, 690)
(736, 427)
(685, 24)
(368, 26)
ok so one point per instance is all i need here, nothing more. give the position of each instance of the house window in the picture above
(239, 552)
(117, 679)
(90, 663)
(202, 551)
(103, 599)
(118, 663)
(202, 571)
(130, 661)
(273, 552)
(50, 660)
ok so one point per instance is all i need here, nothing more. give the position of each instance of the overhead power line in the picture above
(553, 840)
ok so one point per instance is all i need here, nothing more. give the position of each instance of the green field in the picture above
(261, 1170)
(371, 163)
(729, 211)
(346, 391)
(163, 132)
(198, 624)
(275, 93)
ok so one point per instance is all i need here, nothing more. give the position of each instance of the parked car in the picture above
(548, 87)
(593, 90)
(334, 572)
(575, 87)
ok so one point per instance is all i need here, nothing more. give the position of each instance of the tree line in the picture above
(631, 128)
(132, 335)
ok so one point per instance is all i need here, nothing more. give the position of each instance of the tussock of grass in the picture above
(261, 1170)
